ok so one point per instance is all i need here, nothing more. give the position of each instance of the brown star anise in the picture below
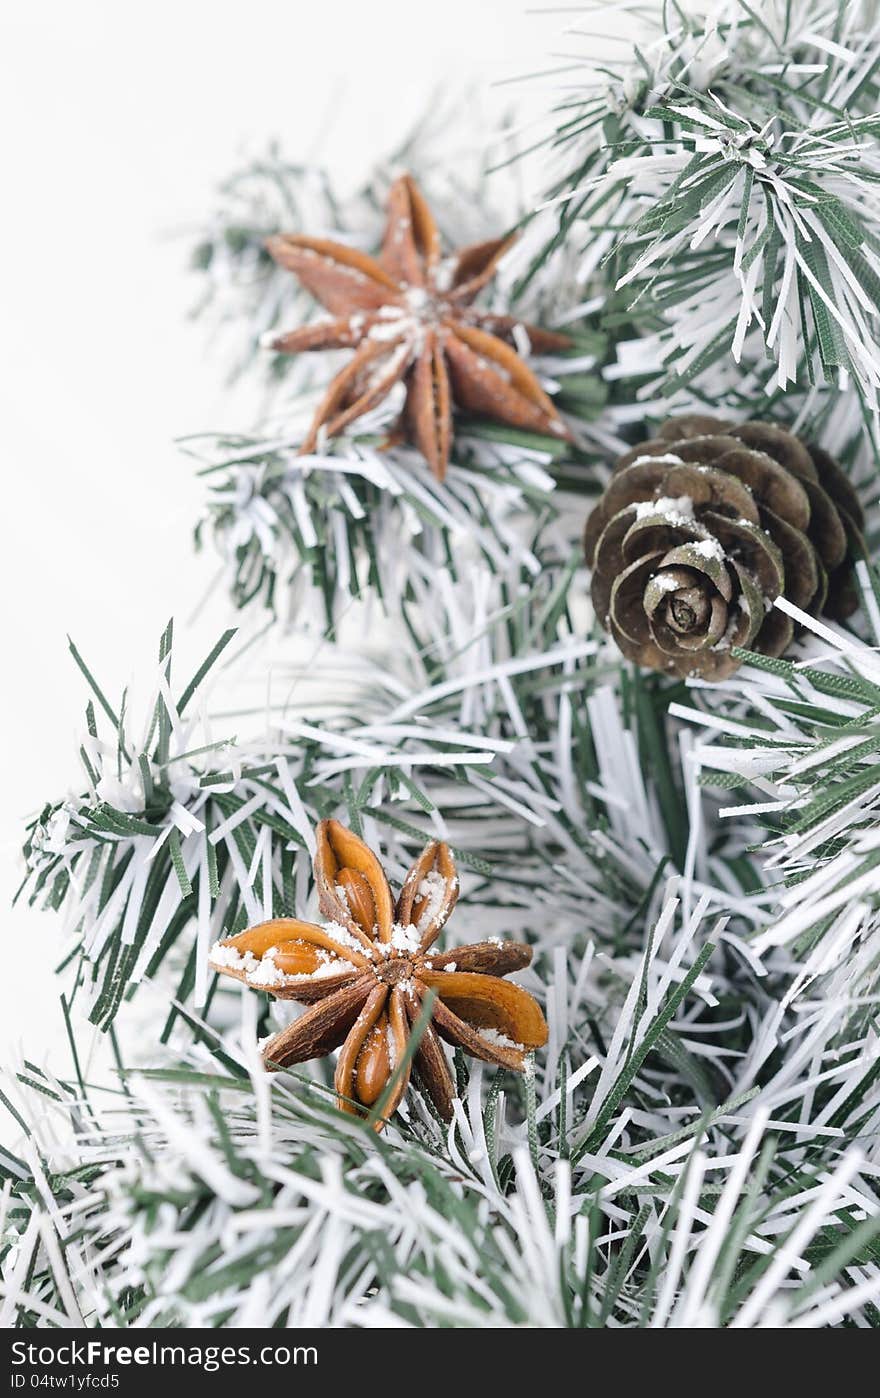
(366, 972)
(409, 315)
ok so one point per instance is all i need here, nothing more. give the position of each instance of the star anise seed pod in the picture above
(366, 972)
(409, 316)
(699, 531)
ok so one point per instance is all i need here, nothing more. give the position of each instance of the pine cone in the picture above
(703, 527)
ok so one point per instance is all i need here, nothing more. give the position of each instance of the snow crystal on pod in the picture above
(333, 966)
(494, 1036)
(263, 974)
(223, 956)
(392, 1046)
(444, 273)
(726, 641)
(392, 329)
(665, 583)
(405, 937)
(709, 548)
(676, 509)
(266, 974)
(433, 889)
(668, 458)
(342, 935)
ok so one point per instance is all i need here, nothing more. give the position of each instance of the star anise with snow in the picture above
(409, 316)
(365, 974)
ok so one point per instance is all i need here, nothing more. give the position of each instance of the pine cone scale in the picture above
(694, 617)
(770, 483)
(626, 599)
(802, 569)
(837, 484)
(826, 531)
(742, 540)
(702, 485)
(701, 560)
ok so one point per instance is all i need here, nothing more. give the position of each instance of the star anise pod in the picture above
(699, 531)
(365, 974)
(409, 316)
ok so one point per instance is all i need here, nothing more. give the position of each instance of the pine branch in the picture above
(753, 1214)
(184, 832)
(806, 736)
(720, 190)
(301, 535)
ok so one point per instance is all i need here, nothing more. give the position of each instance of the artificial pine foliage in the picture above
(673, 1120)
(721, 181)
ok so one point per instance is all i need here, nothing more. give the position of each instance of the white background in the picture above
(118, 120)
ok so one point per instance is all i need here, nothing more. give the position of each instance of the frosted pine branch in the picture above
(797, 743)
(303, 535)
(720, 190)
(209, 1197)
(183, 832)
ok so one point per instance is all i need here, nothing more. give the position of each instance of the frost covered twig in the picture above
(722, 188)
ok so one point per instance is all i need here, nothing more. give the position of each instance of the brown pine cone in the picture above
(701, 528)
